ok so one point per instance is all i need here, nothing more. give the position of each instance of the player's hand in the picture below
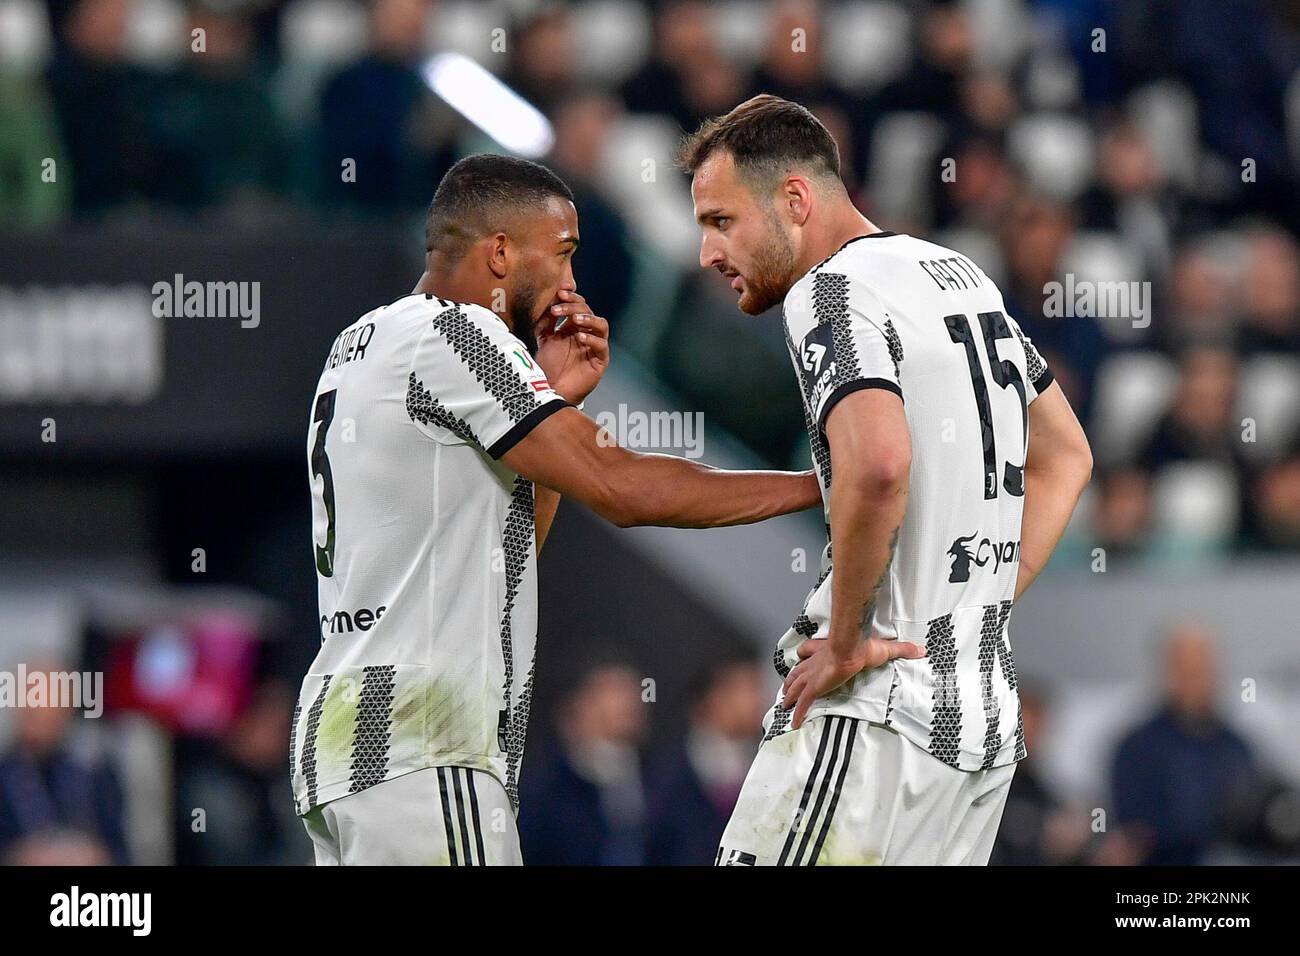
(821, 669)
(575, 357)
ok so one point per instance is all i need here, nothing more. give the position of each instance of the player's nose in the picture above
(710, 253)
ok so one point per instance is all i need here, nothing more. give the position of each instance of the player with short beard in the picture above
(897, 730)
(443, 432)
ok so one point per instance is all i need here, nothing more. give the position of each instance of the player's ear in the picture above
(498, 255)
(796, 195)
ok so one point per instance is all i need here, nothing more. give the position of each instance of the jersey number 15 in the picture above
(1005, 375)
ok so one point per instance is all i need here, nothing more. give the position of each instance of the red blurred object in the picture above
(193, 675)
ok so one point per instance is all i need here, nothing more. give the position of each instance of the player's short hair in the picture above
(768, 137)
(480, 194)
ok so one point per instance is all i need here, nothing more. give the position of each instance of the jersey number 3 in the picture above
(320, 468)
(1005, 375)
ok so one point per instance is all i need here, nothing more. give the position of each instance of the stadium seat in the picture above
(1103, 257)
(156, 32)
(1195, 508)
(1269, 393)
(1133, 391)
(741, 27)
(1002, 31)
(1165, 111)
(659, 211)
(466, 27)
(1055, 151)
(323, 32)
(903, 167)
(24, 36)
(867, 43)
(614, 37)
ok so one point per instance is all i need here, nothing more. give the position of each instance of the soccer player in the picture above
(957, 463)
(442, 434)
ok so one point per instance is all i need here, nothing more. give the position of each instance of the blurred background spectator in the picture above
(696, 786)
(1176, 773)
(582, 802)
(59, 805)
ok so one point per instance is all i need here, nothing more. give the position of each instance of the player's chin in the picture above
(751, 304)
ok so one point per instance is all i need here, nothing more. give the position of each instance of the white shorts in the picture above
(844, 791)
(441, 816)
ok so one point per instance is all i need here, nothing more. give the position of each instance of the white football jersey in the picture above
(425, 551)
(895, 312)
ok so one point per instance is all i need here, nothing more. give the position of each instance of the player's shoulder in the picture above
(846, 275)
(425, 305)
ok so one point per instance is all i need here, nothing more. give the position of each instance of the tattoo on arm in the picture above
(869, 609)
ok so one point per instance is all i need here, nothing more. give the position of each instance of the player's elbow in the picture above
(884, 473)
(875, 478)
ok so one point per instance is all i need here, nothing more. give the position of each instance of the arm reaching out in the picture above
(567, 453)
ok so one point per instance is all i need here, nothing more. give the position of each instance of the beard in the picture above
(521, 314)
(771, 275)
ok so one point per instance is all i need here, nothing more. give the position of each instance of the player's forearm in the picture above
(676, 493)
(545, 501)
(1050, 497)
(866, 512)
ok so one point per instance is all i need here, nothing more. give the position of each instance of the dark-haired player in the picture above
(432, 420)
(956, 462)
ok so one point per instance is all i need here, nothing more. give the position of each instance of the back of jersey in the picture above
(896, 312)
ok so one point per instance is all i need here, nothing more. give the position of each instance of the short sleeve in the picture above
(1037, 374)
(848, 343)
(472, 381)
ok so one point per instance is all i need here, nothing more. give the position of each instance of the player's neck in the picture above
(455, 285)
(846, 224)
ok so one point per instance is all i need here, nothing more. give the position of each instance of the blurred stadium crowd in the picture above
(1053, 141)
(1079, 140)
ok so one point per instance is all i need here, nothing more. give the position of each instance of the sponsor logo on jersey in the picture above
(346, 622)
(986, 551)
(817, 356)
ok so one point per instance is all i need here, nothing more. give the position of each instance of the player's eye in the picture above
(721, 221)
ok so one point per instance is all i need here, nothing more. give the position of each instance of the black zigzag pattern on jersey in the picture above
(1008, 662)
(373, 728)
(945, 730)
(895, 345)
(293, 739)
(427, 410)
(889, 701)
(492, 369)
(821, 452)
(517, 543)
(780, 722)
(989, 636)
(830, 305)
(309, 741)
(1034, 364)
